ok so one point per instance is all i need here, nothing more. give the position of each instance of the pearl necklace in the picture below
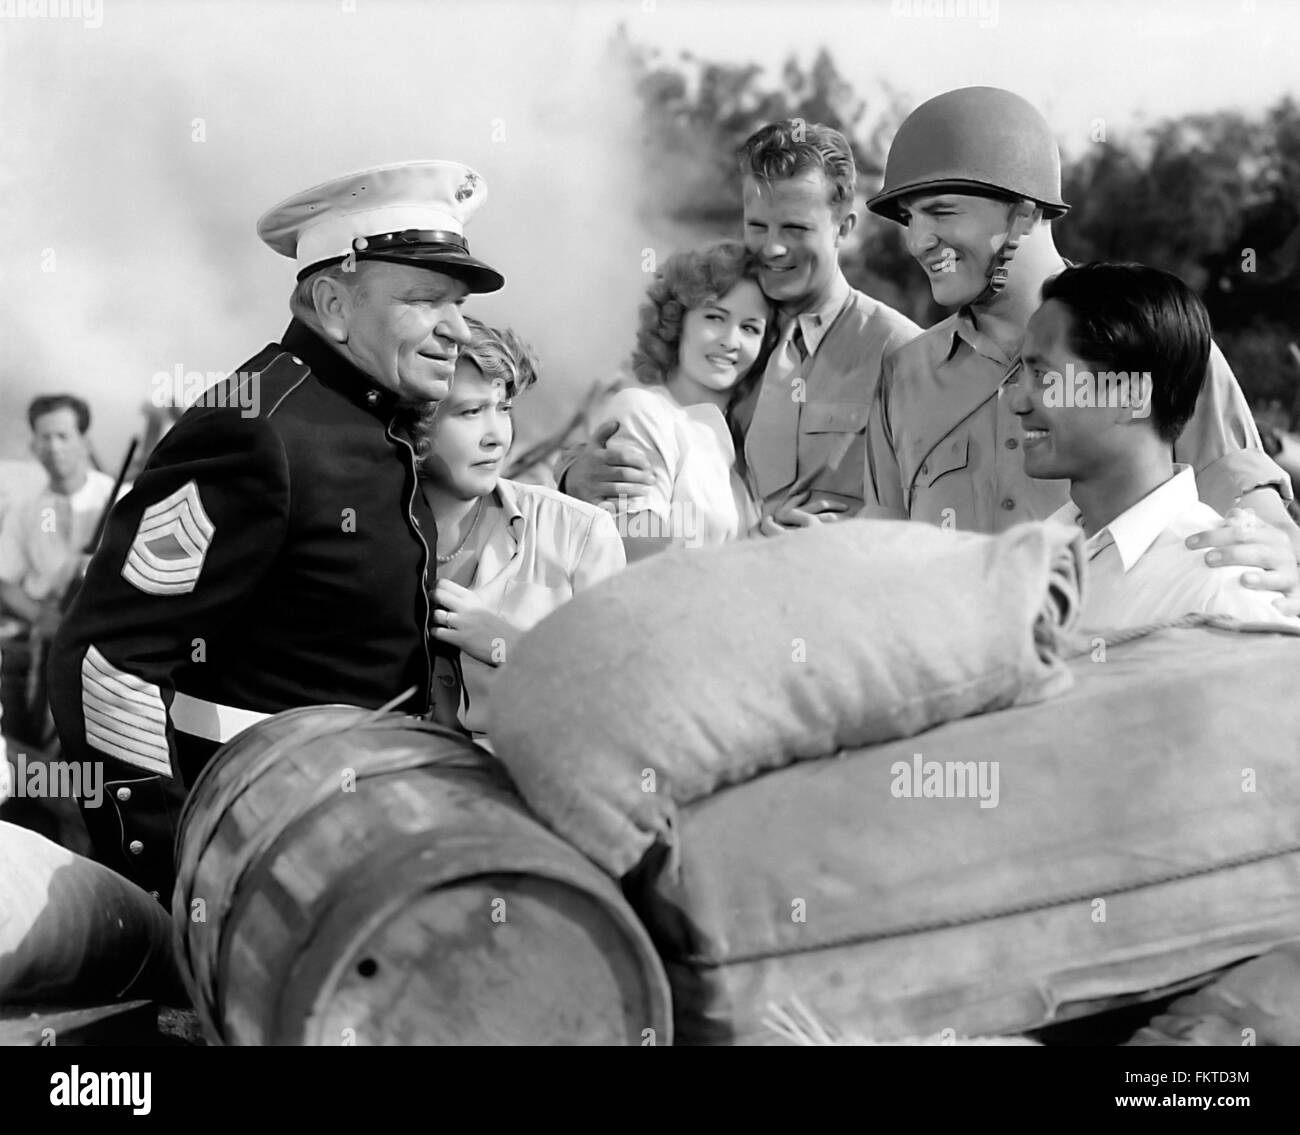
(456, 551)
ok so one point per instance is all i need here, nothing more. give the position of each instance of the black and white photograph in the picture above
(650, 522)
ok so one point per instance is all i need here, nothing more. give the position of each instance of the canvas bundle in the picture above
(702, 668)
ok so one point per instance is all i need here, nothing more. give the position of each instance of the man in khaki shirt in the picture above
(974, 175)
(804, 423)
(945, 446)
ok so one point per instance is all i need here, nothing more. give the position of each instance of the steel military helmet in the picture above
(973, 140)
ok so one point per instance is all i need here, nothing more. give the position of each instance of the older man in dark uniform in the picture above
(275, 552)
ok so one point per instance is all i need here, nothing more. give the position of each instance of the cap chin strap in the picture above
(1021, 218)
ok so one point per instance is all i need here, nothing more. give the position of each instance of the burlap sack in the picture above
(705, 667)
(1143, 829)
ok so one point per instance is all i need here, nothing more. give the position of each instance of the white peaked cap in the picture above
(408, 213)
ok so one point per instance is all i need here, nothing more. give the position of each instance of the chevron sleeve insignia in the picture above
(170, 545)
(125, 715)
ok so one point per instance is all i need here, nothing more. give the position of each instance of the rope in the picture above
(1080, 642)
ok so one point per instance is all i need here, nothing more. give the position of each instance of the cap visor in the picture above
(459, 265)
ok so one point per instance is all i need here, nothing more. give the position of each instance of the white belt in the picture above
(209, 719)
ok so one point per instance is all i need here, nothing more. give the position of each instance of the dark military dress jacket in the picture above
(274, 553)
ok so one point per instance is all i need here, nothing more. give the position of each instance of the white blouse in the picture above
(543, 548)
(697, 497)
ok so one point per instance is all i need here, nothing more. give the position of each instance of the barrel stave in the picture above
(418, 903)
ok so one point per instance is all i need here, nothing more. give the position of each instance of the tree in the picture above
(1211, 197)
(697, 112)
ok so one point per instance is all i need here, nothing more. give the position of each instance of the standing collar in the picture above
(1135, 529)
(815, 323)
(337, 372)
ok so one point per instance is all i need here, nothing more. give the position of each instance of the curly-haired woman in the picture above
(706, 329)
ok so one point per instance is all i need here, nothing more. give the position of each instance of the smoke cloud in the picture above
(139, 154)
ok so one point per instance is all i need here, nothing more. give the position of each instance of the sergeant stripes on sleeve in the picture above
(176, 524)
(125, 715)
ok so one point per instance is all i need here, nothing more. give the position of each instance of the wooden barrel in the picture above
(350, 878)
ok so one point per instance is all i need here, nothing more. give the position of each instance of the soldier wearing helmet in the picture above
(975, 176)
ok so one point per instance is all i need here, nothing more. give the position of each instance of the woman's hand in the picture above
(800, 511)
(468, 624)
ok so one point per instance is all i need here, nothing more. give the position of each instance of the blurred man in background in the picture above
(44, 535)
(43, 538)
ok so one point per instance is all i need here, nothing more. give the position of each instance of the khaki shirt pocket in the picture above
(942, 491)
(832, 440)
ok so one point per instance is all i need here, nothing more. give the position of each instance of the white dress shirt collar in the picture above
(1135, 529)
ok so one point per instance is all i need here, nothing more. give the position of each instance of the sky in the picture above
(1123, 61)
(143, 139)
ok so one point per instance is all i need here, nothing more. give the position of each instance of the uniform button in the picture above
(296, 360)
(135, 847)
(447, 680)
(124, 794)
(372, 396)
(1008, 504)
(1012, 443)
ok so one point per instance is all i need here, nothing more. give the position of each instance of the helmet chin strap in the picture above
(1020, 218)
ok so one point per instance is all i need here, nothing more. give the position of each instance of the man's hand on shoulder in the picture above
(1245, 540)
(606, 470)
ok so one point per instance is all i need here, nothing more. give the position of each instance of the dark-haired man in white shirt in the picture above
(1113, 363)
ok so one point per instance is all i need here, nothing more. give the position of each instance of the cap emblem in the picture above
(467, 186)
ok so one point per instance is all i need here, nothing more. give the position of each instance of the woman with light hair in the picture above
(508, 553)
(706, 331)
